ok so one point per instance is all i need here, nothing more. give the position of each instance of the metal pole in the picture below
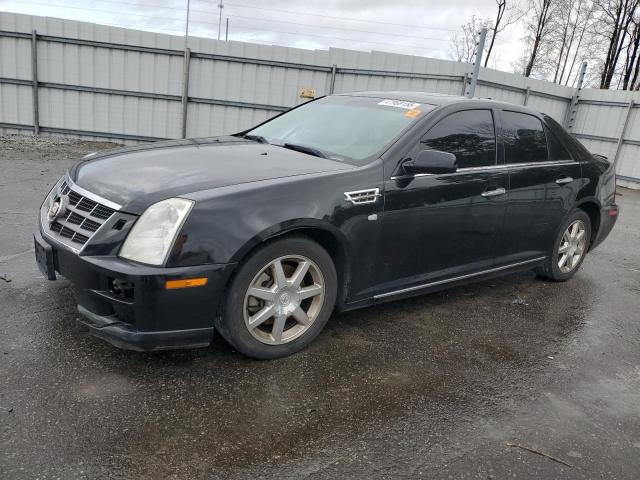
(186, 28)
(34, 79)
(526, 96)
(573, 106)
(471, 87)
(220, 6)
(226, 32)
(332, 82)
(623, 132)
(185, 90)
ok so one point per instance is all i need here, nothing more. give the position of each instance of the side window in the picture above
(469, 135)
(524, 138)
(557, 151)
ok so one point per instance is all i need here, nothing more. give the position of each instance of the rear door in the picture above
(543, 182)
(445, 225)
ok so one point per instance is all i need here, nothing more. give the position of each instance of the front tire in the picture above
(280, 299)
(569, 249)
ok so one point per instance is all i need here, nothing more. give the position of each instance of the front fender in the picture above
(228, 222)
(292, 226)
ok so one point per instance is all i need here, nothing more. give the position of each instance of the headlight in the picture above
(53, 192)
(152, 236)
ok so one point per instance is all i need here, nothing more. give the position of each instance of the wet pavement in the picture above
(433, 387)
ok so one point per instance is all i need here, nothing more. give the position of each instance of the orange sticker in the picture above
(412, 113)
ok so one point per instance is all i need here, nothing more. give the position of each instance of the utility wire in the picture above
(156, 17)
(303, 35)
(392, 34)
(298, 12)
(332, 37)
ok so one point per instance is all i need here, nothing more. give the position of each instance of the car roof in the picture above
(437, 99)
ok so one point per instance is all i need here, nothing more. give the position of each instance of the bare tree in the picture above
(616, 26)
(580, 38)
(500, 23)
(537, 26)
(629, 75)
(566, 31)
(465, 43)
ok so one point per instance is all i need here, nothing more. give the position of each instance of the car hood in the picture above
(139, 176)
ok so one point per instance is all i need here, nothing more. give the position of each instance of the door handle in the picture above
(494, 193)
(563, 180)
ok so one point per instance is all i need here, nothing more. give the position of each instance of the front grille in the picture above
(80, 221)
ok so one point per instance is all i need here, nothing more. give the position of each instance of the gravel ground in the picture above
(432, 387)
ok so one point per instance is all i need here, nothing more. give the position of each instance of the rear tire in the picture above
(280, 299)
(569, 249)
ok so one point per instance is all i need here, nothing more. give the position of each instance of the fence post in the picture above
(332, 82)
(471, 86)
(185, 90)
(34, 82)
(465, 79)
(623, 133)
(526, 96)
(573, 106)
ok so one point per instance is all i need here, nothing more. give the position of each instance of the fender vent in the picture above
(361, 197)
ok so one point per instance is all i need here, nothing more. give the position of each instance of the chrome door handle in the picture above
(563, 180)
(494, 193)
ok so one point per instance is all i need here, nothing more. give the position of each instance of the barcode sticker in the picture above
(399, 104)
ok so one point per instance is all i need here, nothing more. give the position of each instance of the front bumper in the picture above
(127, 304)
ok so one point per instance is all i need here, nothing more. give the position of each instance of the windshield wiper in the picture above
(256, 138)
(305, 149)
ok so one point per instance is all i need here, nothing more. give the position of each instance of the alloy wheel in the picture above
(283, 299)
(572, 246)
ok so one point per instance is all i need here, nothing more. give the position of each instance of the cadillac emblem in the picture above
(57, 208)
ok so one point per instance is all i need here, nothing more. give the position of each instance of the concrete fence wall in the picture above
(72, 78)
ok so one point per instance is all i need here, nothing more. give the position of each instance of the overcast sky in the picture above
(417, 27)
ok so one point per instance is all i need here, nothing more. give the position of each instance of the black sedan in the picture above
(340, 203)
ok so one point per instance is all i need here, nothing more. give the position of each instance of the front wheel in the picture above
(569, 249)
(280, 299)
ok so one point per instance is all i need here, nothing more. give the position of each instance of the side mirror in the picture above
(432, 161)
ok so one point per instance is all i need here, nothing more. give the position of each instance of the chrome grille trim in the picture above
(92, 196)
(85, 214)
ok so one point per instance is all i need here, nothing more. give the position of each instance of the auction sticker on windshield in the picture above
(399, 104)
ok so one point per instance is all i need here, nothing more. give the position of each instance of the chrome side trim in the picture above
(541, 164)
(91, 196)
(455, 279)
(508, 166)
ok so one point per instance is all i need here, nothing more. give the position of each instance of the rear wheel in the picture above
(569, 249)
(280, 299)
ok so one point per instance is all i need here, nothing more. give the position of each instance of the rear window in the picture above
(524, 138)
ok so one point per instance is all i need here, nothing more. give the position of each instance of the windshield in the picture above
(351, 129)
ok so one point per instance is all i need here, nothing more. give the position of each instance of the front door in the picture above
(442, 226)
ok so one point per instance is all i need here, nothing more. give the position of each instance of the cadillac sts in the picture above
(343, 202)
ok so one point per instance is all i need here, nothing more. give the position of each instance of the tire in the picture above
(552, 269)
(271, 312)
